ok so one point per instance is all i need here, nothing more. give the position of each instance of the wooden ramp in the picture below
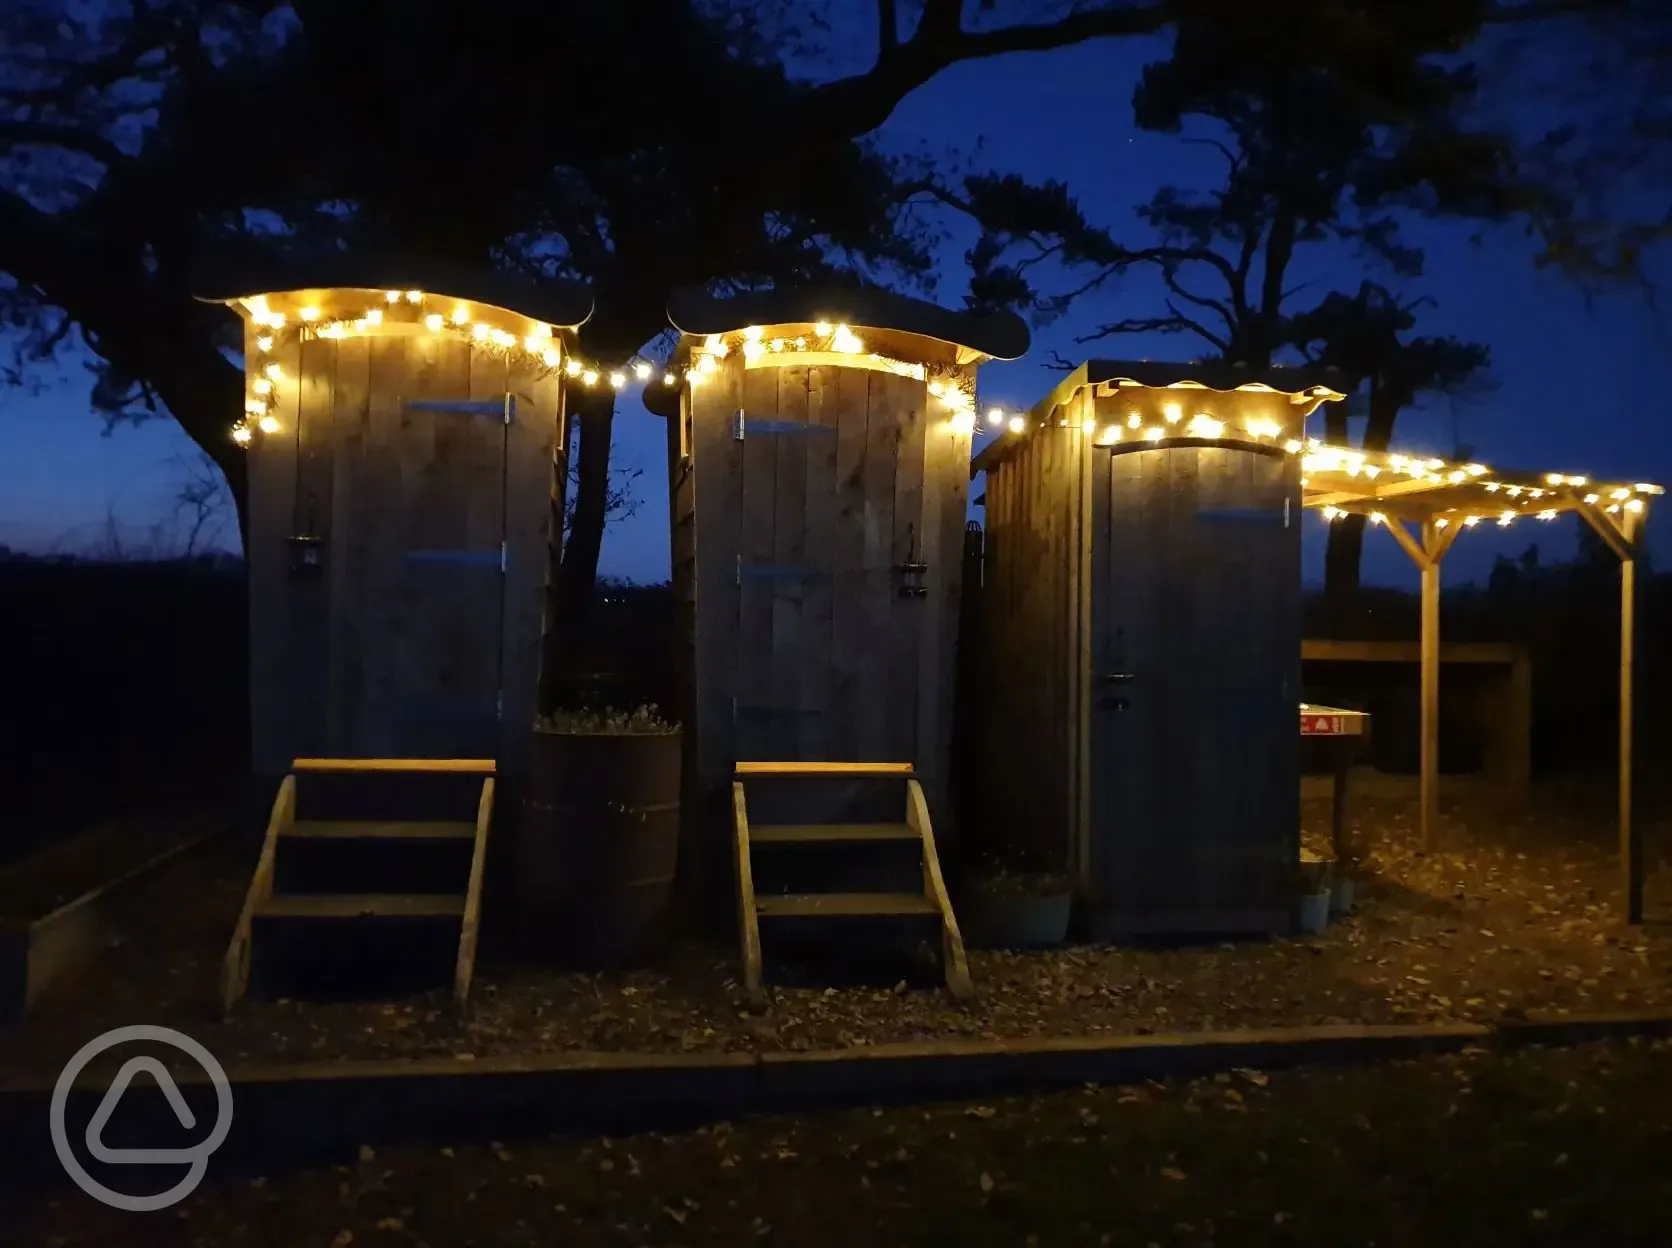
(329, 893)
(927, 901)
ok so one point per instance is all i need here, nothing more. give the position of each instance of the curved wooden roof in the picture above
(1001, 337)
(697, 314)
(224, 279)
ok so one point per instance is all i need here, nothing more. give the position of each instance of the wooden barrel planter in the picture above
(599, 841)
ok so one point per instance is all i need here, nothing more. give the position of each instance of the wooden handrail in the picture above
(465, 968)
(446, 766)
(934, 887)
(235, 972)
(824, 769)
(748, 923)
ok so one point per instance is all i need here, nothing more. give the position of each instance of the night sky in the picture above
(1577, 384)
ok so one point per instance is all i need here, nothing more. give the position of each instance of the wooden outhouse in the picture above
(818, 469)
(1140, 616)
(402, 420)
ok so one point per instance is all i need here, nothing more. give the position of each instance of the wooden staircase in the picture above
(930, 901)
(326, 891)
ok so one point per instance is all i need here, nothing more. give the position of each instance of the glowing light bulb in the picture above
(392, 296)
(589, 378)
(752, 334)
(433, 322)
(309, 313)
(573, 367)
(262, 386)
(995, 416)
(1089, 424)
(822, 329)
(480, 331)
(374, 316)
(551, 357)
(1173, 412)
(963, 422)
(641, 370)
(1155, 433)
(274, 372)
(415, 296)
(269, 425)
(668, 379)
(618, 380)
(1017, 424)
(264, 343)
(461, 314)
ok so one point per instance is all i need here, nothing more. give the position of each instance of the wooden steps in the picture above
(834, 903)
(828, 833)
(359, 829)
(328, 893)
(362, 906)
(844, 905)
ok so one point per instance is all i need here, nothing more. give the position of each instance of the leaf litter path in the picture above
(1519, 912)
(1553, 1147)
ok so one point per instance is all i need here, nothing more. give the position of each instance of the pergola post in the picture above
(1436, 538)
(1620, 537)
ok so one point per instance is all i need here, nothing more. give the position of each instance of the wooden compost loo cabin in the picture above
(818, 472)
(404, 423)
(1141, 616)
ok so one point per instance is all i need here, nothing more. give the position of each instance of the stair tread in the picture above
(392, 830)
(824, 833)
(903, 771)
(356, 905)
(843, 905)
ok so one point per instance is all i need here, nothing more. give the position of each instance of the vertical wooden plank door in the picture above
(418, 643)
(1194, 685)
(830, 635)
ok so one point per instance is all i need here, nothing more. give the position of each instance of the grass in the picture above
(1536, 1147)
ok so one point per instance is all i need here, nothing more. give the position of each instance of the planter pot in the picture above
(1314, 912)
(599, 841)
(1004, 919)
(1341, 894)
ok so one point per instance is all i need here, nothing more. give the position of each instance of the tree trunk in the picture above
(1343, 558)
(577, 573)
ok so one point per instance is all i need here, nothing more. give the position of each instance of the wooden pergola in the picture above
(1425, 502)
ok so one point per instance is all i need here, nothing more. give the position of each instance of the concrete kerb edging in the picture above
(289, 1114)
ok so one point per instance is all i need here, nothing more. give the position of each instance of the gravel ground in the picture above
(1518, 913)
(1561, 1147)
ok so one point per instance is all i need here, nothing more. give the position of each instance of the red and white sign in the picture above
(1321, 725)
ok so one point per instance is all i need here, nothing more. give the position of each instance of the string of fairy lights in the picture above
(542, 352)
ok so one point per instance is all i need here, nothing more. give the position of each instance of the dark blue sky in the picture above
(1578, 385)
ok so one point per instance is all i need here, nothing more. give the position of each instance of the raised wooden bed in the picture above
(53, 905)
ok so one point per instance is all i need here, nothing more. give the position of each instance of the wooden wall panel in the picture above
(532, 458)
(350, 414)
(718, 461)
(272, 477)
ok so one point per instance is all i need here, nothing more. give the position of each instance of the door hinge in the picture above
(504, 556)
(1285, 513)
(510, 407)
(737, 426)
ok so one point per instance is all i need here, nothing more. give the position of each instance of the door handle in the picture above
(1119, 678)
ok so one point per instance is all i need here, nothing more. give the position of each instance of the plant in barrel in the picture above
(600, 836)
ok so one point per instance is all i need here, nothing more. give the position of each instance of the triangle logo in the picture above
(107, 1107)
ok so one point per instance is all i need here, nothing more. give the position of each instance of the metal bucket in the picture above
(598, 846)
